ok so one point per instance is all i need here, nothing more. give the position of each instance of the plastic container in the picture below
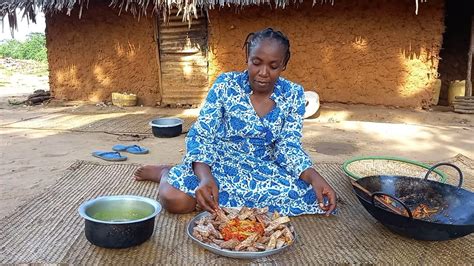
(166, 127)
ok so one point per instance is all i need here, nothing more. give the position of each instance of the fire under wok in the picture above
(417, 207)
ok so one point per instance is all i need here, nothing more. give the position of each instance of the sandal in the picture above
(109, 155)
(135, 149)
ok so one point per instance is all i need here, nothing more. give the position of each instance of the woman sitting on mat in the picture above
(245, 147)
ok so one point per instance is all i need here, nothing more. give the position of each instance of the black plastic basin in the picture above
(167, 127)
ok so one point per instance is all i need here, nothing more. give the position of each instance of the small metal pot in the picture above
(167, 127)
(119, 221)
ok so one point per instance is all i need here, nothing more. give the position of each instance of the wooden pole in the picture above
(469, 61)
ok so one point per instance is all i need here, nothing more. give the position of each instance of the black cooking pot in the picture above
(166, 127)
(451, 208)
(119, 221)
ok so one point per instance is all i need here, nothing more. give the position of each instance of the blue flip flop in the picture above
(109, 155)
(135, 149)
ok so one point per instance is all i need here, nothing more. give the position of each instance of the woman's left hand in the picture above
(324, 190)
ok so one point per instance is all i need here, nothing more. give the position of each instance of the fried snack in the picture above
(245, 213)
(422, 211)
(245, 230)
(275, 223)
(248, 242)
(229, 244)
(273, 240)
(221, 217)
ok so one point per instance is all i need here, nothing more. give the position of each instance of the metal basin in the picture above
(167, 127)
(230, 253)
(119, 221)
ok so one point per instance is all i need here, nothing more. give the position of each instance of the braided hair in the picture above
(255, 38)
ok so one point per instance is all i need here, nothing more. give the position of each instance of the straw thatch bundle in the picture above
(186, 8)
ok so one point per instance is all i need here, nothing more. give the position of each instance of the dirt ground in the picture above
(33, 159)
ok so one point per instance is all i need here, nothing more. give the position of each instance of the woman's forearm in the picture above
(202, 170)
(310, 175)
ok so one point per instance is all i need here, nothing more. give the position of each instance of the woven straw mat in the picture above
(48, 229)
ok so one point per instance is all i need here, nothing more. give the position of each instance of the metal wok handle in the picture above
(448, 164)
(410, 215)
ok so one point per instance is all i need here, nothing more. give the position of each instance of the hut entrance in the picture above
(456, 41)
(183, 60)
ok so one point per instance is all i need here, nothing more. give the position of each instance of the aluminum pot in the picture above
(166, 127)
(119, 221)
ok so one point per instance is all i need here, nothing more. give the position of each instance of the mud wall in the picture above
(370, 52)
(101, 53)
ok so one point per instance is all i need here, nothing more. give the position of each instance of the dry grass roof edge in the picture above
(186, 8)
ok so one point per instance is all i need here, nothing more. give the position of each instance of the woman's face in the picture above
(265, 63)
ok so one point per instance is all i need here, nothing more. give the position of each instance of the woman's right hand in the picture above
(207, 194)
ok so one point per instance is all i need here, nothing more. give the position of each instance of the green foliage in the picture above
(34, 48)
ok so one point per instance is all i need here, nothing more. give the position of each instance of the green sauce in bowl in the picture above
(120, 216)
(119, 210)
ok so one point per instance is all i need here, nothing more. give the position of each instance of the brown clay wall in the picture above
(101, 53)
(370, 52)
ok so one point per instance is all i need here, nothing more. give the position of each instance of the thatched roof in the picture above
(187, 8)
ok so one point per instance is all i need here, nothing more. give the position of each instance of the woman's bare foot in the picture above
(151, 172)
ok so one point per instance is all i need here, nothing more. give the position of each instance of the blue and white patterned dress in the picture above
(256, 161)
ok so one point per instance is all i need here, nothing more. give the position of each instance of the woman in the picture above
(245, 147)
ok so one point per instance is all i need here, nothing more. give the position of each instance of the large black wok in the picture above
(392, 200)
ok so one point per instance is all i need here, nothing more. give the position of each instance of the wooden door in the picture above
(183, 60)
